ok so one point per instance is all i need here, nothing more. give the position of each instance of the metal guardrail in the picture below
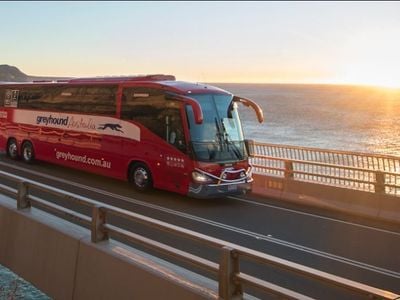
(231, 280)
(354, 170)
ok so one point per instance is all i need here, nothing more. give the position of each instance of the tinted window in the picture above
(150, 108)
(35, 97)
(66, 98)
(82, 99)
(99, 100)
(2, 96)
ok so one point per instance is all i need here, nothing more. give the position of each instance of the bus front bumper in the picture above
(206, 191)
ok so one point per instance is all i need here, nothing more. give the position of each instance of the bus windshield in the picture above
(219, 138)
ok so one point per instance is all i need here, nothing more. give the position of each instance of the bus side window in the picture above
(174, 129)
(150, 108)
(35, 98)
(67, 98)
(100, 100)
(144, 106)
(2, 96)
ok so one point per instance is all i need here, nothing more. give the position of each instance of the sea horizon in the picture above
(341, 117)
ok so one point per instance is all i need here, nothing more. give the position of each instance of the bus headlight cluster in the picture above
(242, 175)
(200, 177)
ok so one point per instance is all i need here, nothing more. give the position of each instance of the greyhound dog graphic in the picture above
(115, 127)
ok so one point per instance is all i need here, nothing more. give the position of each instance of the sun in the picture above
(370, 59)
(372, 74)
(374, 71)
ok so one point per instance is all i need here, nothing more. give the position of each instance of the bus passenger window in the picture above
(144, 106)
(2, 96)
(150, 108)
(174, 130)
(35, 98)
(67, 99)
(100, 100)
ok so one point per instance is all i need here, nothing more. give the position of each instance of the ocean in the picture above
(340, 117)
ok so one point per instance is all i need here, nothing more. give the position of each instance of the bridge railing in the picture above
(354, 170)
(231, 279)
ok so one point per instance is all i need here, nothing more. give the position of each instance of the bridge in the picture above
(320, 224)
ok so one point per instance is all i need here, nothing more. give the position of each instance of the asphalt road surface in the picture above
(357, 249)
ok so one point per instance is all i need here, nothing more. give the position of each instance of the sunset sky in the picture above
(261, 42)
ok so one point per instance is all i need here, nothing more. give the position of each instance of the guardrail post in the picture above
(98, 233)
(22, 196)
(289, 169)
(229, 266)
(379, 182)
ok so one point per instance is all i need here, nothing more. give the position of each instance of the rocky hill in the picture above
(11, 73)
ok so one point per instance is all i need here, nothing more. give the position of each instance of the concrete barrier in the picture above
(58, 258)
(39, 248)
(377, 206)
(110, 270)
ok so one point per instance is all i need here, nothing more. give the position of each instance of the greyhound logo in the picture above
(115, 127)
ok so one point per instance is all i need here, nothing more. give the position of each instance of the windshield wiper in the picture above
(235, 148)
(220, 133)
(228, 142)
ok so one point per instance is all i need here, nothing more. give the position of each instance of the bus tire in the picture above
(140, 176)
(12, 149)
(28, 154)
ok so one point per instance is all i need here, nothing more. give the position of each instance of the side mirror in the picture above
(253, 105)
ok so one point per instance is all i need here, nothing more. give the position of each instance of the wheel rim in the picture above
(27, 153)
(12, 149)
(141, 177)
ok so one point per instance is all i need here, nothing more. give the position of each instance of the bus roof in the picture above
(120, 79)
(185, 87)
(166, 81)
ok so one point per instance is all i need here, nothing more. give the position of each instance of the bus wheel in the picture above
(140, 176)
(12, 149)
(28, 155)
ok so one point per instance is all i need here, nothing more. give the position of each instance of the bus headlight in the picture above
(200, 177)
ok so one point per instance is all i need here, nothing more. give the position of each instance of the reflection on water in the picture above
(352, 118)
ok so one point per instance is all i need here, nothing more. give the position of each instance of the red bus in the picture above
(151, 130)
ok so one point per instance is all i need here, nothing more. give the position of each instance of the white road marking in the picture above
(231, 197)
(255, 235)
(314, 215)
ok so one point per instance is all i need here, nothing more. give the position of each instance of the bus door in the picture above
(162, 141)
(176, 159)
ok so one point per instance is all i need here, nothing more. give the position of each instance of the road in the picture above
(357, 249)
